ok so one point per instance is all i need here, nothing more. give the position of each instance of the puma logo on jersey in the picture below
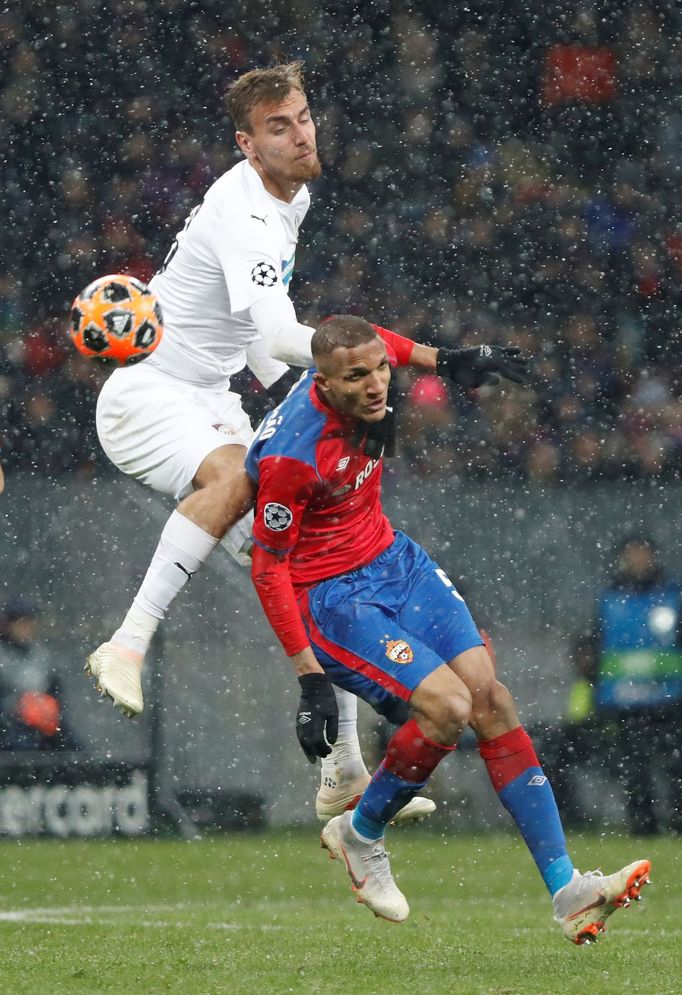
(364, 474)
(260, 219)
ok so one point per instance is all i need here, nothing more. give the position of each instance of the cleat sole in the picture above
(590, 934)
(634, 884)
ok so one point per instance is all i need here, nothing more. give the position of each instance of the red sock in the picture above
(413, 756)
(507, 756)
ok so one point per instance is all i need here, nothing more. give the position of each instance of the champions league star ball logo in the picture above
(264, 275)
(277, 517)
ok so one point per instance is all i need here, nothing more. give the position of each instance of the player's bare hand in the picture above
(483, 364)
(317, 718)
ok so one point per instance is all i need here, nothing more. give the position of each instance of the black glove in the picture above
(482, 364)
(280, 388)
(380, 437)
(317, 714)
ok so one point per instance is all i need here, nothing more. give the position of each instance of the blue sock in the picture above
(527, 795)
(385, 795)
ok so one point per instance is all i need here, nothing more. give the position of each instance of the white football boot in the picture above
(368, 868)
(336, 796)
(582, 906)
(118, 672)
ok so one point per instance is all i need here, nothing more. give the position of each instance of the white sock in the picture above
(136, 630)
(237, 540)
(345, 762)
(182, 549)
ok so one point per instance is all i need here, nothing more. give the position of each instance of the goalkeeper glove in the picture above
(482, 364)
(280, 388)
(317, 718)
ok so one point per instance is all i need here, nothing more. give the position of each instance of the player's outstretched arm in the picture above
(483, 364)
(470, 367)
(317, 715)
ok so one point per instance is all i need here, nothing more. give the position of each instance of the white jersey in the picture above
(237, 247)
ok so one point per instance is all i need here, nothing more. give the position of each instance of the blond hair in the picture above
(262, 86)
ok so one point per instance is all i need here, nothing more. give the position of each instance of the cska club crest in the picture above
(399, 651)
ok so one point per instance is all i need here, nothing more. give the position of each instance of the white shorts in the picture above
(159, 430)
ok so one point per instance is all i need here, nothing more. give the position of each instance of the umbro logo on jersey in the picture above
(264, 275)
(342, 464)
(277, 517)
(537, 780)
(260, 219)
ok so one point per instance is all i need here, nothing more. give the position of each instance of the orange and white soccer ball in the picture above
(116, 317)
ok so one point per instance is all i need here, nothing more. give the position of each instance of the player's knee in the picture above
(451, 714)
(222, 470)
(479, 677)
(493, 699)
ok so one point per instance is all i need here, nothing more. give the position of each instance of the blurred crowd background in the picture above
(505, 173)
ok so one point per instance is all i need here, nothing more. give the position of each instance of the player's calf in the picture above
(336, 796)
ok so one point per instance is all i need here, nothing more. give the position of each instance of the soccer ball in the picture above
(116, 317)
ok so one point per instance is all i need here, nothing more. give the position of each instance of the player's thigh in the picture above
(159, 430)
(363, 649)
(433, 608)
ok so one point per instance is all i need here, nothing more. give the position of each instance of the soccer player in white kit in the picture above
(172, 421)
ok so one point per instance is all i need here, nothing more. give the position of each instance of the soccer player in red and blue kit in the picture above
(360, 605)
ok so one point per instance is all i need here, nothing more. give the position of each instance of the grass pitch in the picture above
(270, 913)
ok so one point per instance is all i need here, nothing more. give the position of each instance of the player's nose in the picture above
(301, 134)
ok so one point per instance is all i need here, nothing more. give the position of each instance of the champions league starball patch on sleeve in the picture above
(264, 275)
(277, 517)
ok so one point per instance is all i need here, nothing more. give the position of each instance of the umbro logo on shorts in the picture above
(537, 780)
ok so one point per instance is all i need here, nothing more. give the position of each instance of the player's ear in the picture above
(321, 380)
(244, 142)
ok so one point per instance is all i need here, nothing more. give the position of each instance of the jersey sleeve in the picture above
(285, 338)
(261, 364)
(285, 486)
(272, 580)
(396, 345)
(250, 259)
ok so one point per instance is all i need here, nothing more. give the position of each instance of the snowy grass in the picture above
(270, 913)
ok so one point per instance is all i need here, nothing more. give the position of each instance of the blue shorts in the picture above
(379, 631)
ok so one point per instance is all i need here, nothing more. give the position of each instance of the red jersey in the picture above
(318, 510)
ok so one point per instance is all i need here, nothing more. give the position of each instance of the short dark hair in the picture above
(343, 331)
(262, 86)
